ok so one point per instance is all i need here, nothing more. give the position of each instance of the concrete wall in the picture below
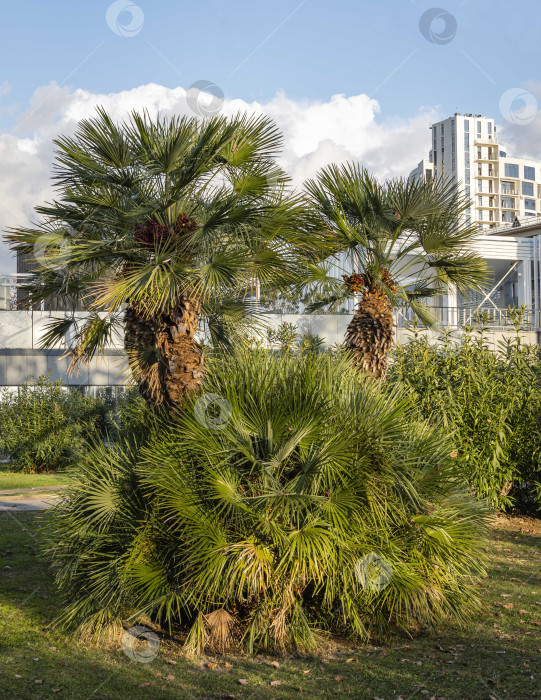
(21, 357)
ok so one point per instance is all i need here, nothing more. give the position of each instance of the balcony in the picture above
(486, 141)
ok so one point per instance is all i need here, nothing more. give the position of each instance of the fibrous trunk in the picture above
(166, 361)
(370, 334)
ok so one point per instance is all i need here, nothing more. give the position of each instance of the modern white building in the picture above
(502, 188)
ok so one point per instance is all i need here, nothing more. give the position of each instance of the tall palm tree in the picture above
(158, 222)
(399, 242)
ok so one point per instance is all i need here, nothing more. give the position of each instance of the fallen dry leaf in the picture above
(508, 606)
(273, 683)
(40, 682)
(307, 671)
(169, 678)
(228, 665)
(211, 665)
(243, 681)
(275, 664)
(339, 678)
(144, 685)
(170, 661)
(348, 661)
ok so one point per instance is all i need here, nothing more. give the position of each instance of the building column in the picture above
(452, 310)
(525, 283)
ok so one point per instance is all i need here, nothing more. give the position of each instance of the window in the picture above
(479, 201)
(507, 217)
(428, 174)
(479, 215)
(467, 125)
(527, 189)
(528, 214)
(467, 159)
(529, 173)
(507, 188)
(478, 129)
(479, 185)
(467, 142)
(529, 204)
(468, 192)
(511, 170)
(490, 128)
(467, 178)
(508, 203)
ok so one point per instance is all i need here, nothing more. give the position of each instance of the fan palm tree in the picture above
(322, 505)
(157, 223)
(402, 242)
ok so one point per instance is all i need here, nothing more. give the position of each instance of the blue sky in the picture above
(344, 80)
(324, 48)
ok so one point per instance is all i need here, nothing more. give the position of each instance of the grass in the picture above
(497, 656)
(11, 479)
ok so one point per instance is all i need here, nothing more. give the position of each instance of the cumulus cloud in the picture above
(316, 133)
(520, 130)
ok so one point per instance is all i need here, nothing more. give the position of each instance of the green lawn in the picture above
(10, 479)
(498, 655)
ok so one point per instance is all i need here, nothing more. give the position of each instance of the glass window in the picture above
(508, 203)
(529, 173)
(507, 188)
(507, 217)
(467, 159)
(479, 201)
(511, 170)
(479, 215)
(467, 178)
(466, 125)
(468, 192)
(529, 204)
(490, 128)
(478, 128)
(527, 189)
(467, 142)
(480, 185)
(529, 214)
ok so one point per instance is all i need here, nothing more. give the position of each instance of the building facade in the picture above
(502, 189)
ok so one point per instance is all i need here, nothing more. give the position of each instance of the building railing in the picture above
(486, 317)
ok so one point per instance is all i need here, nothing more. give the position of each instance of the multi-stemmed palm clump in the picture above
(158, 222)
(312, 503)
(402, 242)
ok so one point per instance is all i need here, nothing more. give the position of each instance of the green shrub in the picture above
(288, 502)
(43, 427)
(490, 401)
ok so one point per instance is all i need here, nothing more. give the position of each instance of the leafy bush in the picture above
(288, 502)
(490, 401)
(43, 427)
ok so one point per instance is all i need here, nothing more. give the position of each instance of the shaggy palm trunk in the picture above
(370, 334)
(166, 361)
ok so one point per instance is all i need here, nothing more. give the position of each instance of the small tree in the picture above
(405, 241)
(159, 222)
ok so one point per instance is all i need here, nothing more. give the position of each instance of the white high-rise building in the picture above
(501, 188)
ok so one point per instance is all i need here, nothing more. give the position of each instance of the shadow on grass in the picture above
(497, 655)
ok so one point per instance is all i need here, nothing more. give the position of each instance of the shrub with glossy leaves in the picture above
(289, 502)
(44, 426)
(489, 399)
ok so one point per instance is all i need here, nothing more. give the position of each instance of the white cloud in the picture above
(523, 139)
(316, 133)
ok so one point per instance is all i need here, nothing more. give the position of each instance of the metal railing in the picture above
(486, 317)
